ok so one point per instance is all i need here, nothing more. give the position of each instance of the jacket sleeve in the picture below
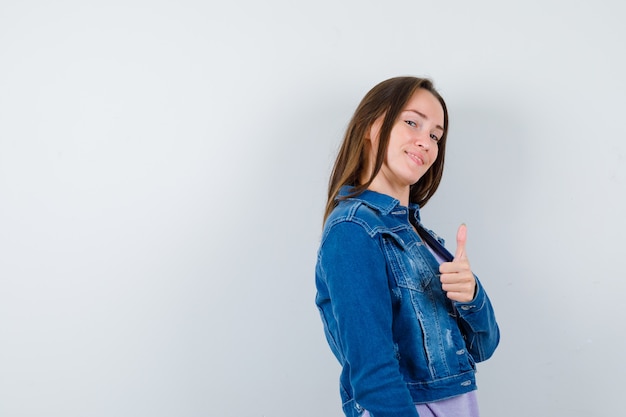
(478, 324)
(354, 269)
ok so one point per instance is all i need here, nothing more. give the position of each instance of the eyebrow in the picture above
(424, 116)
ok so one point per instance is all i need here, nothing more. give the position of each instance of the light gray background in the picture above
(163, 169)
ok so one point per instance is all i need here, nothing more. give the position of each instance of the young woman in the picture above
(406, 319)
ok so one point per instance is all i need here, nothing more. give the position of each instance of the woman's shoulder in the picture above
(356, 212)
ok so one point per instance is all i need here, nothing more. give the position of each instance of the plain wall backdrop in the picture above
(163, 171)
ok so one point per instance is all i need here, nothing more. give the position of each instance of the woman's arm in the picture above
(353, 269)
(478, 324)
(476, 316)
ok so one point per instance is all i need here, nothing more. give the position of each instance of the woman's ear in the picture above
(370, 149)
(374, 130)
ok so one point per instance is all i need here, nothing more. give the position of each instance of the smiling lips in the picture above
(416, 158)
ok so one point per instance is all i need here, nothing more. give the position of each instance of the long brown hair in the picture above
(387, 98)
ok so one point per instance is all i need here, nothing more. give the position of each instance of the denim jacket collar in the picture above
(382, 203)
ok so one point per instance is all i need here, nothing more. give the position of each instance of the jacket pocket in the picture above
(407, 266)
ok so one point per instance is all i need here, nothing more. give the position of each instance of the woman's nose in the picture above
(422, 139)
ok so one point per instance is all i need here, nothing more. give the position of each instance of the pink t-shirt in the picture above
(464, 405)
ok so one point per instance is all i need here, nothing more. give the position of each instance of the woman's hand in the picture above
(457, 279)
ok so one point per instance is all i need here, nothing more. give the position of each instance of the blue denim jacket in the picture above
(399, 339)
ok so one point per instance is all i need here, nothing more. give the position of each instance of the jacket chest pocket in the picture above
(407, 264)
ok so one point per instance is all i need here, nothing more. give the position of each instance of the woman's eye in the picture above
(435, 138)
(411, 123)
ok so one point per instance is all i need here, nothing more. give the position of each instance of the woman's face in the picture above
(412, 145)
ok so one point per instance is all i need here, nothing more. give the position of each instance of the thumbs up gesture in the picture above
(457, 279)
